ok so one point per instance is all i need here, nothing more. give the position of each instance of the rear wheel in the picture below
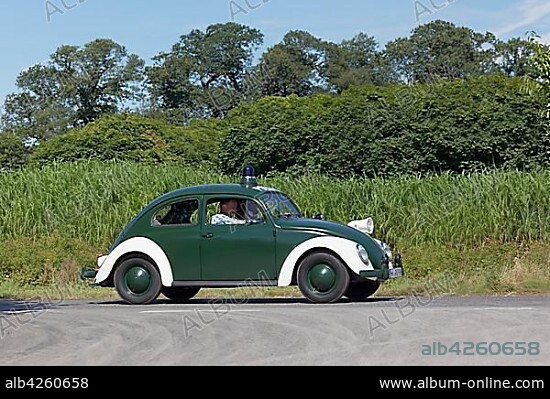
(323, 278)
(180, 294)
(138, 281)
(362, 290)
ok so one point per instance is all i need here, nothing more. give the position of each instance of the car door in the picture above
(175, 227)
(237, 252)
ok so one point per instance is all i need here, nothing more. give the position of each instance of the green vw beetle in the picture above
(224, 236)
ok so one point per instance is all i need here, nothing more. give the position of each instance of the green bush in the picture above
(134, 138)
(43, 260)
(13, 153)
(446, 126)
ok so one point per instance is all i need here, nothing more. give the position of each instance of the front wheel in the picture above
(362, 290)
(180, 294)
(138, 281)
(323, 278)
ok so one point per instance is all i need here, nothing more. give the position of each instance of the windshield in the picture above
(280, 206)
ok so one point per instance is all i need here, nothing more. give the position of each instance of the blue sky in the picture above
(148, 27)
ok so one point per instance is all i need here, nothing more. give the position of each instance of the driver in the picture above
(228, 213)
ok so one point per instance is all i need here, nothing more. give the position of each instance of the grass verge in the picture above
(491, 269)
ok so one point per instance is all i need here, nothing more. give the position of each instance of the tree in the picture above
(282, 71)
(440, 49)
(205, 71)
(77, 85)
(297, 65)
(174, 97)
(539, 83)
(513, 58)
(37, 111)
(170, 83)
(357, 62)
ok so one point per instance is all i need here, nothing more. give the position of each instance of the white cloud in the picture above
(529, 12)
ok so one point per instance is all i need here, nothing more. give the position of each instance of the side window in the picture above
(178, 213)
(233, 211)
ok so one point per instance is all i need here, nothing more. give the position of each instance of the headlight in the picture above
(389, 254)
(387, 249)
(363, 254)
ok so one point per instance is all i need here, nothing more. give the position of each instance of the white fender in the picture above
(141, 245)
(345, 249)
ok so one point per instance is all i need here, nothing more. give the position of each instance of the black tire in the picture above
(138, 281)
(323, 278)
(180, 294)
(360, 291)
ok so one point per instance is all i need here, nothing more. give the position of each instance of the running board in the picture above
(226, 284)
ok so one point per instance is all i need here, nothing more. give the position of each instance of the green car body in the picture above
(269, 250)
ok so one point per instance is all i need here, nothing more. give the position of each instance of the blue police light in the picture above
(249, 171)
(249, 177)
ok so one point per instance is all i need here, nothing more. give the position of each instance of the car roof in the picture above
(214, 189)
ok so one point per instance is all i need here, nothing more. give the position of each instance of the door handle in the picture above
(208, 235)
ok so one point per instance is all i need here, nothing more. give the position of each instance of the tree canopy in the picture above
(539, 81)
(75, 87)
(441, 49)
(395, 94)
(209, 72)
(205, 73)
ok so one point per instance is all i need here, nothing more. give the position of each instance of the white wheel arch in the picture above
(136, 245)
(345, 249)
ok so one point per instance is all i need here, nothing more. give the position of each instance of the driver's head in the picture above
(229, 207)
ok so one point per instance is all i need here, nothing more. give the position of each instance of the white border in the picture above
(139, 245)
(345, 249)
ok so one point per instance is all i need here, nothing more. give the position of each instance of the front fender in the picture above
(136, 245)
(345, 249)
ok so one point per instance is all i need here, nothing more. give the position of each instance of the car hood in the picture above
(337, 230)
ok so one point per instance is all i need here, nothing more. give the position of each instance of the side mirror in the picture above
(319, 216)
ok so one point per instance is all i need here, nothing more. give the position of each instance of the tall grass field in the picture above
(489, 232)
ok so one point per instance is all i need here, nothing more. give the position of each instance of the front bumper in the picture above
(392, 270)
(397, 271)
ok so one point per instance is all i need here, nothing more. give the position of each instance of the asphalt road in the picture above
(384, 331)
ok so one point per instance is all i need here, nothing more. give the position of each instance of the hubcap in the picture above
(322, 278)
(138, 280)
